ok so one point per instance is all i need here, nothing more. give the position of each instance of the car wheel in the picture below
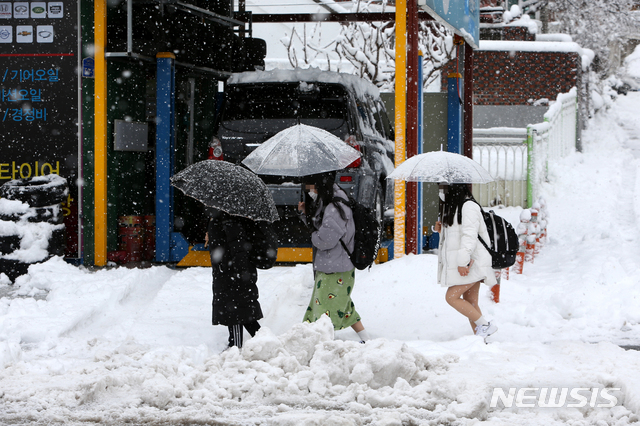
(39, 191)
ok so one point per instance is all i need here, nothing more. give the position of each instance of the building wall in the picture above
(522, 78)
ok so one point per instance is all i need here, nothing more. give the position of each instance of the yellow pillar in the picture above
(399, 215)
(100, 133)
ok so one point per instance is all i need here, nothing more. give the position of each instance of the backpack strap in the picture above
(490, 250)
(485, 245)
(348, 204)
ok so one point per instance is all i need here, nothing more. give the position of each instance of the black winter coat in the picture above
(235, 293)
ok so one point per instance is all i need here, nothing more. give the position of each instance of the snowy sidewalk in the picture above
(81, 347)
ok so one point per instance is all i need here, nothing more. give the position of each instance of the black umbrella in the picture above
(227, 187)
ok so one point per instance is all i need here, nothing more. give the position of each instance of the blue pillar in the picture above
(454, 114)
(165, 149)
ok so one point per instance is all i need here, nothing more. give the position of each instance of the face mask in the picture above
(313, 195)
(441, 194)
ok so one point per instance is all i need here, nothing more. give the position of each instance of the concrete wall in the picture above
(486, 116)
(434, 138)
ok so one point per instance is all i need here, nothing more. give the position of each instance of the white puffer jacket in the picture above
(459, 244)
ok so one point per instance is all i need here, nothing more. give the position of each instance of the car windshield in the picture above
(268, 108)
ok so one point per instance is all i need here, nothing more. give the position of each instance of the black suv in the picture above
(259, 104)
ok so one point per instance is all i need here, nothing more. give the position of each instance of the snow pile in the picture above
(34, 236)
(136, 345)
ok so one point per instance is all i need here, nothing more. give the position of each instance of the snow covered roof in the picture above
(359, 85)
(530, 46)
(554, 37)
(587, 55)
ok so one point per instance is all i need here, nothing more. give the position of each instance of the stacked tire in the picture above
(27, 204)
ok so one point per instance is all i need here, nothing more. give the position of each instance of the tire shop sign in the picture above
(39, 83)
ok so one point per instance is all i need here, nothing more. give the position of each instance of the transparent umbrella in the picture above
(301, 150)
(441, 167)
(227, 187)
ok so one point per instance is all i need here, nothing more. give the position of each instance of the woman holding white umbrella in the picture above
(315, 155)
(333, 231)
(463, 262)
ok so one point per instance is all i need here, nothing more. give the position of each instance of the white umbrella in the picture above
(301, 150)
(442, 167)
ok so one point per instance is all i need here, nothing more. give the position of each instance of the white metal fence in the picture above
(517, 158)
(503, 152)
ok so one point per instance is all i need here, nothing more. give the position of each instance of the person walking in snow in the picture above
(230, 240)
(463, 263)
(331, 222)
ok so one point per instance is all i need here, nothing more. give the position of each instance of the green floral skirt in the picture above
(332, 297)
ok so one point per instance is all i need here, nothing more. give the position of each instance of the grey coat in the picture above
(330, 256)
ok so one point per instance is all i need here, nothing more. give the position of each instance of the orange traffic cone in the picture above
(519, 265)
(495, 293)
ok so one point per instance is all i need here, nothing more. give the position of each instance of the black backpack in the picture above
(367, 236)
(264, 245)
(503, 239)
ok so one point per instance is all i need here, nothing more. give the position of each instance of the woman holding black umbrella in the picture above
(239, 237)
(333, 230)
(232, 243)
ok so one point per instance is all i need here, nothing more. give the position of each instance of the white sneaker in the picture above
(486, 330)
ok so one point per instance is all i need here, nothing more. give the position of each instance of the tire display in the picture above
(9, 243)
(57, 242)
(43, 195)
(49, 214)
(13, 268)
(39, 191)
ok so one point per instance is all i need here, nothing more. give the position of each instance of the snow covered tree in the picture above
(599, 25)
(368, 48)
(436, 43)
(306, 48)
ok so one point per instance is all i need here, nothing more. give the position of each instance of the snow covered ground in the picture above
(135, 346)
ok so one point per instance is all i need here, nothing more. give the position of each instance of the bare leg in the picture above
(361, 332)
(454, 298)
(471, 296)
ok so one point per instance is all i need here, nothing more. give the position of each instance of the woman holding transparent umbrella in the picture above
(463, 263)
(332, 234)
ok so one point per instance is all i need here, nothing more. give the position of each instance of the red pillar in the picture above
(412, 124)
(468, 101)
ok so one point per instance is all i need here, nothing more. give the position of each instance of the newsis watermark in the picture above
(554, 397)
